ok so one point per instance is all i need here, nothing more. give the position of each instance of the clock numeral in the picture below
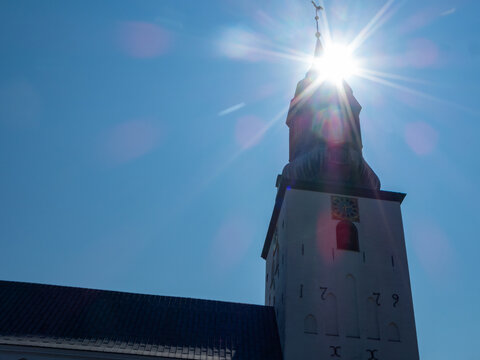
(377, 298)
(335, 350)
(396, 299)
(372, 354)
(324, 290)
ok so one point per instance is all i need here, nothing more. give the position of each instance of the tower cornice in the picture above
(283, 184)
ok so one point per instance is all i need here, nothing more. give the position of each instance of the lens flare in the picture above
(249, 131)
(143, 40)
(130, 140)
(337, 63)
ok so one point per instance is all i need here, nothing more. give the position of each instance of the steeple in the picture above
(325, 136)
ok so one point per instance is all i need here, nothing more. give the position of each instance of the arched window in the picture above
(347, 236)
(331, 315)
(310, 325)
(350, 311)
(393, 332)
(373, 329)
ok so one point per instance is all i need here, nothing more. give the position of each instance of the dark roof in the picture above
(283, 184)
(118, 322)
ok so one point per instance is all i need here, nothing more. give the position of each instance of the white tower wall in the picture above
(333, 303)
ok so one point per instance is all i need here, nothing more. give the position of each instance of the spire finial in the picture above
(317, 9)
(318, 45)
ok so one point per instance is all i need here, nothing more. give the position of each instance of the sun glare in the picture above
(337, 63)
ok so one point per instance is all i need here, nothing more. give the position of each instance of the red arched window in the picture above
(347, 236)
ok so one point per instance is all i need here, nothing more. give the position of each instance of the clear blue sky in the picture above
(140, 142)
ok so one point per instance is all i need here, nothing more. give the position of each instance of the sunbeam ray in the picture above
(378, 20)
(399, 87)
(325, 27)
(280, 115)
(417, 92)
(393, 76)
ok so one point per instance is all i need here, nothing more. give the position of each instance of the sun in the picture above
(337, 63)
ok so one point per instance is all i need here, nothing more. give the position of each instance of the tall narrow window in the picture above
(310, 325)
(276, 257)
(373, 330)
(393, 332)
(347, 236)
(331, 315)
(351, 307)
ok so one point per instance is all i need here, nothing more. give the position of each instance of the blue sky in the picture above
(140, 142)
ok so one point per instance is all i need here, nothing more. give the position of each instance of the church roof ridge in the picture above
(130, 293)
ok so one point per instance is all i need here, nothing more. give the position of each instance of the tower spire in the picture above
(318, 45)
(324, 125)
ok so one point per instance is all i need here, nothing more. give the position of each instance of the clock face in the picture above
(344, 208)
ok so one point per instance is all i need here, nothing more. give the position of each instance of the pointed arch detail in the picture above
(310, 325)
(331, 315)
(393, 332)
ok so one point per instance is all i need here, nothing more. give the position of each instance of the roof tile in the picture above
(84, 319)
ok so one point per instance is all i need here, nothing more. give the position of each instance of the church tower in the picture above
(336, 264)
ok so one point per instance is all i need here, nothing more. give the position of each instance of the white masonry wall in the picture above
(339, 303)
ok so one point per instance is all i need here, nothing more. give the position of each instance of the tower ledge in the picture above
(283, 184)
